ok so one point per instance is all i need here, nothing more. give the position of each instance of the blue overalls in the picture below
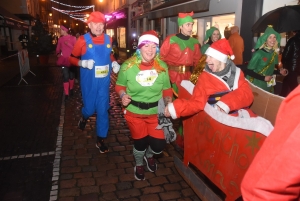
(95, 83)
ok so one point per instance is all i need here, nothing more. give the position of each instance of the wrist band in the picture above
(122, 94)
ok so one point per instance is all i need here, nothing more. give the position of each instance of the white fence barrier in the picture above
(24, 64)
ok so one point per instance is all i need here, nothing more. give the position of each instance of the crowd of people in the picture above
(148, 81)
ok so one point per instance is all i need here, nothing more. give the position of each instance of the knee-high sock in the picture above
(66, 88)
(139, 157)
(150, 152)
(71, 82)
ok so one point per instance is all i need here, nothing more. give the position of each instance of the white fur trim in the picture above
(258, 124)
(148, 37)
(172, 110)
(188, 85)
(216, 54)
(223, 106)
(232, 57)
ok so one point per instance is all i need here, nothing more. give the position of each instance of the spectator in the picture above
(274, 172)
(291, 61)
(64, 48)
(23, 38)
(261, 68)
(92, 52)
(77, 35)
(142, 81)
(211, 35)
(115, 42)
(237, 45)
(181, 52)
(221, 84)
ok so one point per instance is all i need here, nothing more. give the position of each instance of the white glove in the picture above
(87, 63)
(115, 66)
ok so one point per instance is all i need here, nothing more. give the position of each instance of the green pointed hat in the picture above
(209, 33)
(262, 39)
(185, 17)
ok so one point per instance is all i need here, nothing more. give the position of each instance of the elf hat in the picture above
(96, 16)
(220, 50)
(262, 39)
(64, 28)
(209, 33)
(185, 17)
(146, 37)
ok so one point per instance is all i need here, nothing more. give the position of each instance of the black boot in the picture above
(71, 92)
(101, 146)
(82, 123)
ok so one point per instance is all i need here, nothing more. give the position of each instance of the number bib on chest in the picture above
(101, 71)
(146, 77)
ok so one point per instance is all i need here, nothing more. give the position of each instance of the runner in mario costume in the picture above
(221, 84)
(92, 52)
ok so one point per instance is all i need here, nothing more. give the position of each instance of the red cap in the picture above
(96, 16)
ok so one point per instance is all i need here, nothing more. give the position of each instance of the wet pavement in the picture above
(44, 156)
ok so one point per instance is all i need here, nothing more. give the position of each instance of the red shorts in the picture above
(143, 125)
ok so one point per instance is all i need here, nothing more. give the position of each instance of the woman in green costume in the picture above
(212, 35)
(261, 68)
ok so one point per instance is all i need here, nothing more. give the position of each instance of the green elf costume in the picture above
(181, 53)
(263, 61)
(207, 39)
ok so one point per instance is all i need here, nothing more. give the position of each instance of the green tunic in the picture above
(128, 77)
(263, 63)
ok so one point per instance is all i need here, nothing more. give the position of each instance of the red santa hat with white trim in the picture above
(148, 36)
(220, 50)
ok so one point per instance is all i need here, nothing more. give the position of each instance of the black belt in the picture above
(144, 106)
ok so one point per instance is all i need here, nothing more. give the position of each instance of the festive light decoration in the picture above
(74, 13)
(87, 7)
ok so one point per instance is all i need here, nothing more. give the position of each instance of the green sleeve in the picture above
(122, 75)
(204, 48)
(255, 61)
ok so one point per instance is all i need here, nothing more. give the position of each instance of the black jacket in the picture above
(291, 54)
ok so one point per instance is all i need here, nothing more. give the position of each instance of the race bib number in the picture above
(146, 77)
(101, 71)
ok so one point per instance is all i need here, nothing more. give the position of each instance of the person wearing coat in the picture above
(221, 84)
(291, 61)
(237, 45)
(274, 172)
(64, 48)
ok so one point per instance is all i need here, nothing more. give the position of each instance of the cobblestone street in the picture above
(44, 156)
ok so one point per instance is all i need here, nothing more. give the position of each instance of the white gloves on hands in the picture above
(87, 63)
(115, 66)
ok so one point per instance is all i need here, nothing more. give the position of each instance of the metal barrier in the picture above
(24, 64)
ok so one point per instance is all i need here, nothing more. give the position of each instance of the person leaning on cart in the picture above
(221, 84)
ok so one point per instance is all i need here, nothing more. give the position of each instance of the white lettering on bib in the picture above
(101, 71)
(146, 77)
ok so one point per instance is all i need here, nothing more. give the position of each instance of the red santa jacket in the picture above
(274, 173)
(208, 84)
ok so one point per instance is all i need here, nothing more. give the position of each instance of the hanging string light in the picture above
(87, 7)
(74, 13)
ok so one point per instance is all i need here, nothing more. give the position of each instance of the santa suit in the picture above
(95, 82)
(239, 96)
(274, 173)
